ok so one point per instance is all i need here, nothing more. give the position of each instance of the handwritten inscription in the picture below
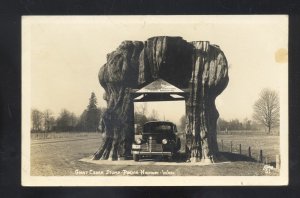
(124, 172)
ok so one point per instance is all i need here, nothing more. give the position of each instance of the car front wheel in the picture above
(136, 157)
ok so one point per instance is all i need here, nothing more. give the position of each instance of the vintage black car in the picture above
(158, 138)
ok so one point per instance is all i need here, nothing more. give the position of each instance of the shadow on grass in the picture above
(178, 157)
(233, 157)
(272, 164)
(182, 157)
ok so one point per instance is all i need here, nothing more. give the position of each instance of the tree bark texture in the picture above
(197, 65)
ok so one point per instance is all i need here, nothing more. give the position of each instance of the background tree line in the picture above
(44, 121)
(236, 124)
(223, 125)
(266, 114)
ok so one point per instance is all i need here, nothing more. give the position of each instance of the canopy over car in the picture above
(159, 90)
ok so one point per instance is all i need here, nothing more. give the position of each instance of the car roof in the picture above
(160, 122)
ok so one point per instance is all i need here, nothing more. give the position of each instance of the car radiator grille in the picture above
(152, 146)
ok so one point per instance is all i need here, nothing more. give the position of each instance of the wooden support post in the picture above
(222, 145)
(260, 157)
(249, 151)
(240, 148)
(277, 161)
(266, 160)
(230, 146)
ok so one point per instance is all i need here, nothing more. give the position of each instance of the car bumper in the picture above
(163, 153)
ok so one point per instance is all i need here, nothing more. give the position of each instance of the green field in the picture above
(58, 154)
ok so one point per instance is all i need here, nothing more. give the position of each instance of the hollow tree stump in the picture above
(197, 65)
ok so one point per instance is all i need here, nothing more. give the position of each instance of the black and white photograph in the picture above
(199, 100)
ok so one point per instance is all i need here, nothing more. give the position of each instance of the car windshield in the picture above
(157, 128)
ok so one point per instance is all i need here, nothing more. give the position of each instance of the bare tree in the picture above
(64, 121)
(266, 109)
(48, 120)
(144, 109)
(73, 120)
(154, 115)
(141, 108)
(36, 120)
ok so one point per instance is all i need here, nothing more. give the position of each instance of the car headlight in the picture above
(138, 141)
(164, 141)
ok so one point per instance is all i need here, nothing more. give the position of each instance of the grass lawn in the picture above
(60, 157)
(269, 144)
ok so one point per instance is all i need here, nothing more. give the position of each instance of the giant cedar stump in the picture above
(197, 65)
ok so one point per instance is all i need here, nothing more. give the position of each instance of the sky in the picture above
(63, 55)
